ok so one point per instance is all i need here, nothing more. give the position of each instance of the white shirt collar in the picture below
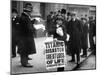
(27, 15)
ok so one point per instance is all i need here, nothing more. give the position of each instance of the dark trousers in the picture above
(14, 47)
(77, 56)
(92, 45)
(24, 59)
(84, 51)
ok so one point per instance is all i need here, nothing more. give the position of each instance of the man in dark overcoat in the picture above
(15, 30)
(84, 37)
(92, 32)
(68, 31)
(49, 23)
(27, 31)
(75, 37)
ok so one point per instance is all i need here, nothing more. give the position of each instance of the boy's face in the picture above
(63, 14)
(59, 22)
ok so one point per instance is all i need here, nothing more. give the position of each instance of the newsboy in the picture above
(59, 33)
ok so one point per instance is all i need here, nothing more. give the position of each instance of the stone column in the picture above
(20, 7)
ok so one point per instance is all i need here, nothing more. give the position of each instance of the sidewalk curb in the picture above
(82, 61)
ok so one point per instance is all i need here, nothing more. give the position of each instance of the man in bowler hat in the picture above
(27, 31)
(75, 38)
(15, 31)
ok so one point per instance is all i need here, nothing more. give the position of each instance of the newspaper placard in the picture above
(55, 54)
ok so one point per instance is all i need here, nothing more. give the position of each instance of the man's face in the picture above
(59, 13)
(69, 17)
(73, 16)
(30, 8)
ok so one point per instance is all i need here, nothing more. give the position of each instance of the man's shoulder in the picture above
(23, 17)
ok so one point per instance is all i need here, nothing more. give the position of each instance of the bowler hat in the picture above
(28, 7)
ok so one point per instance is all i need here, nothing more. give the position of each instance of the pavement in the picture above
(88, 64)
(38, 61)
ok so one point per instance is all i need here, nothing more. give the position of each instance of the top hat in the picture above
(63, 11)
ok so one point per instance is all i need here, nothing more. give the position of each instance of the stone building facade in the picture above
(43, 9)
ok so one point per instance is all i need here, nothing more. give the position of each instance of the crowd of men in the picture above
(73, 31)
(63, 26)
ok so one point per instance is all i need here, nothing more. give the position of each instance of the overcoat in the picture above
(84, 37)
(50, 24)
(15, 28)
(74, 30)
(26, 35)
